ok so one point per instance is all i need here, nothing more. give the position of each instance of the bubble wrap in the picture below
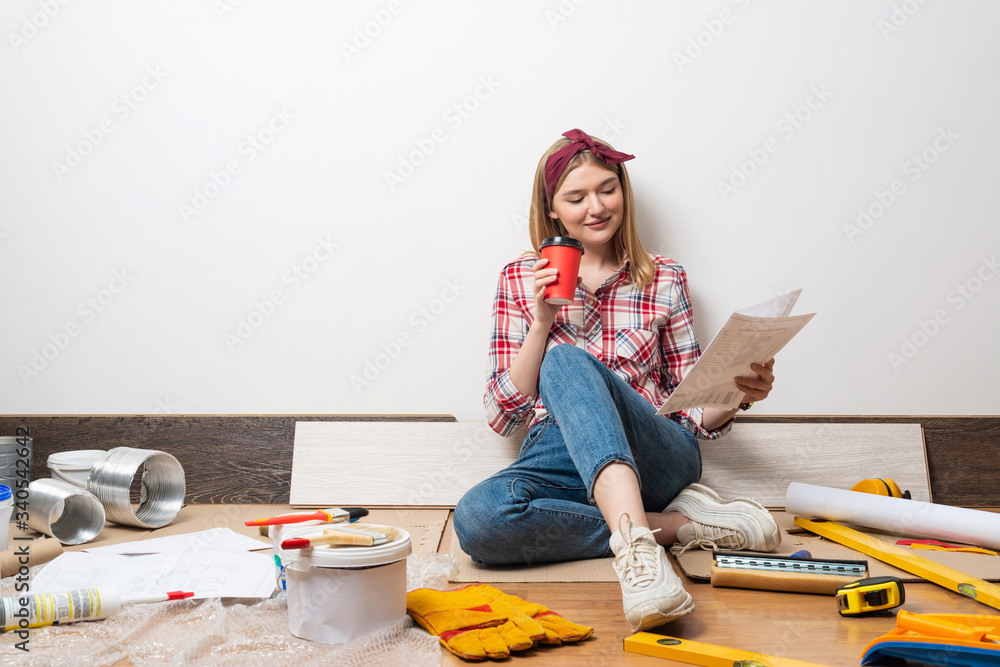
(208, 632)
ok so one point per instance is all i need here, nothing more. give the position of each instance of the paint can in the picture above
(6, 507)
(74, 467)
(15, 457)
(336, 593)
(277, 533)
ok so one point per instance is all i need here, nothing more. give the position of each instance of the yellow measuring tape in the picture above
(708, 655)
(949, 577)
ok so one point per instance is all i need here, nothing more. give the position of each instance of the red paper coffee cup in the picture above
(563, 253)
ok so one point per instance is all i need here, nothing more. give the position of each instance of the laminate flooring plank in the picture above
(435, 464)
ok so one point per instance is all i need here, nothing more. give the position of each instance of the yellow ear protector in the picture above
(881, 487)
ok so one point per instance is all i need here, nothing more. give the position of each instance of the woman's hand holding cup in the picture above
(545, 313)
(558, 270)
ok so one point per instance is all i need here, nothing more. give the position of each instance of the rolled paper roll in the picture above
(39, 551)
(897, 516)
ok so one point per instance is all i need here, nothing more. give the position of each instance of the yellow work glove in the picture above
(526, 614)
(466, 623)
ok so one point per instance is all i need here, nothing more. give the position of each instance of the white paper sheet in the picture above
(208, 573)
(780, 306)
(898, 516)
(745, 339)
(219, 539)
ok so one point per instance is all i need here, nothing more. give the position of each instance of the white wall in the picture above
(116, 115)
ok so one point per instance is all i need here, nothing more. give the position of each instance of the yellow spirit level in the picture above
(979, 590)
(870, 596)
(707, 655)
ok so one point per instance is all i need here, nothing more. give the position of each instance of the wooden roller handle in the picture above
(334, 536)
(791, 582)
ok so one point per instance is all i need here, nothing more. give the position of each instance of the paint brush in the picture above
(351, 537)
(330, 515)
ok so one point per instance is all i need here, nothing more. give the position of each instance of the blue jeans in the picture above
(541, 508)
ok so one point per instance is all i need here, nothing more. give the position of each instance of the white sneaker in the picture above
(739, 524)
(651, 593)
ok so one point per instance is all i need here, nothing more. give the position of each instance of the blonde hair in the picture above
(626, 239)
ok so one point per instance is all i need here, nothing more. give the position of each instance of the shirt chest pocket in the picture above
(636, 352)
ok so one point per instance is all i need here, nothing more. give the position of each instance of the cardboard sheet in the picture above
(425, 526)
(596, 569)
(697, 563)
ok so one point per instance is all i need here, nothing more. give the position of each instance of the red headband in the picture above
(557, 162)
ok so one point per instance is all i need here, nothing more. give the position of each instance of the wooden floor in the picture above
(247, 459)
(788, 625)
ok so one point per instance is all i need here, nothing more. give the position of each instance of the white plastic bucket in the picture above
(6, 507)
(15, 459)
(278, 533)
(74, 467)
(336, 594)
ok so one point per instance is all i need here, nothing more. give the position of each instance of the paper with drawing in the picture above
(751, 335)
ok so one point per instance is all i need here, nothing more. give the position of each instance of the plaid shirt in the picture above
(645, 336)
